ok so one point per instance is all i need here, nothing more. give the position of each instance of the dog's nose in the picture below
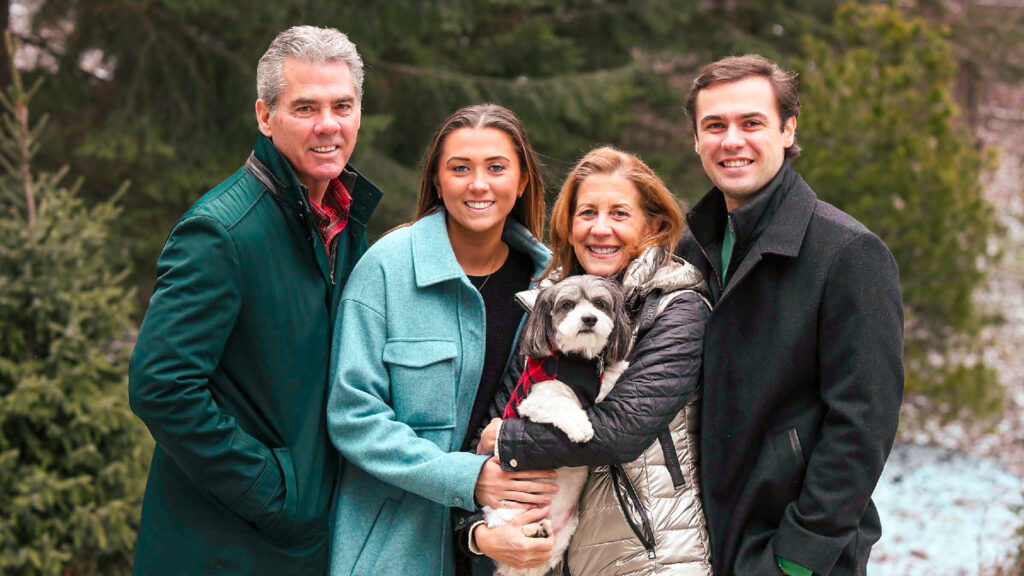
(589, 320)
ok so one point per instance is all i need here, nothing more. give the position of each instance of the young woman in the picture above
(640, 511)
(426, 327)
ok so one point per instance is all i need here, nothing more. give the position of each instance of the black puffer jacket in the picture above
(663, 373)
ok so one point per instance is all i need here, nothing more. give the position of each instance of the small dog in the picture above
(582, 315)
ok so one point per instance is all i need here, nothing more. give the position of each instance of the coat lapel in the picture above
(784, 235)
(432, 257)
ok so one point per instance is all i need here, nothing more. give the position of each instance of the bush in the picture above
(72, 456)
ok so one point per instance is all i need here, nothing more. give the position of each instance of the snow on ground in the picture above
(945, 513)
(954, 507)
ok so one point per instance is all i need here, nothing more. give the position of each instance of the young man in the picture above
(230, 369)
(803, 369)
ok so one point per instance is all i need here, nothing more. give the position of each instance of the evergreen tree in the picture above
(72, 456)
(883, 140)
(173, 112)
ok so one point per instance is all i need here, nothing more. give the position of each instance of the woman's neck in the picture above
(479, 254)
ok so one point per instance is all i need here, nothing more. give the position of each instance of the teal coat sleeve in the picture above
(193, 309)
(381, 413)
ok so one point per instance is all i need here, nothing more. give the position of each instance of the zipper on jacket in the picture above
(668, 449)
(332, 259)
(644, 531)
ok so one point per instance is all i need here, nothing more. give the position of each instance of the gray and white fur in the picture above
(583, 315)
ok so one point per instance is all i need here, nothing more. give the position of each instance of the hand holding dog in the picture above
(500, 489)
(509, 545)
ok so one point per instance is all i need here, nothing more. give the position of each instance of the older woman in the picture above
(640, 511)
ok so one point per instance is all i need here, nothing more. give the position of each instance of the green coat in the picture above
(230, 375)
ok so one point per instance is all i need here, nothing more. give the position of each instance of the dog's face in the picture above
(581, 315)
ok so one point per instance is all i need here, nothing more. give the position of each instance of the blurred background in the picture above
(119, 114)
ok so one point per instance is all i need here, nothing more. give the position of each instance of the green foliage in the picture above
(973, 389)
(882, 141)
(72, 456)
(882, 137)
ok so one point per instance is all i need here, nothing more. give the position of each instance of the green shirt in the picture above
(727, 243)
(792, 568)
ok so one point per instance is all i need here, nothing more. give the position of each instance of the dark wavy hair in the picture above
(784, 83)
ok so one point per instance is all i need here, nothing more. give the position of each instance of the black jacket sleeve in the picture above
(861, 378)
(662, 377)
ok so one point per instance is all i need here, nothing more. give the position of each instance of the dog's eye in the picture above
(600, 304)
(567, 305)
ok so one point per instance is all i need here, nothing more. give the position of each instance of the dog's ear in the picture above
(621, 336)
(534, 340)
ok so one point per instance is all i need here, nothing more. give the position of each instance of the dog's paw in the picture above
(540, 529)
(578, 429)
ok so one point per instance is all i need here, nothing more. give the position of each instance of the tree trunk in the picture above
(5, 59)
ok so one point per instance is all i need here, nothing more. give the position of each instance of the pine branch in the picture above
(17, 104)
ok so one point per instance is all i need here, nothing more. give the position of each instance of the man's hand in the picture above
(489, 437)
(527, 489)
(509, 545)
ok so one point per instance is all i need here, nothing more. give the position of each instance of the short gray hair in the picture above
(308, 44)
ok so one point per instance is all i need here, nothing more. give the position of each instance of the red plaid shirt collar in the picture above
(332, 213)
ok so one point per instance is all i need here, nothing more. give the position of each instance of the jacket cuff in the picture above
(811, 550)
(465, 523)
(507, 433)
(265, 498)
(497, 441)
(471, 542)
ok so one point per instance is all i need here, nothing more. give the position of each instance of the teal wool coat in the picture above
(408, 353)
(230, 375)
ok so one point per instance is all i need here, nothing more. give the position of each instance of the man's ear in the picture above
(696, 144)
(789, 132)
(263, 118)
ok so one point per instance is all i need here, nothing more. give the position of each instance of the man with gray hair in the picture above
(230, 369)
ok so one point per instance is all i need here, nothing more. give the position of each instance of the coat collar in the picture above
(779, 230)
(274, 171)
(750, 220)
(784, 233)
(656, 269)
(434, 260)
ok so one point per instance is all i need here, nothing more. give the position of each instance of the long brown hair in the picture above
(660, 208)
(529, 208)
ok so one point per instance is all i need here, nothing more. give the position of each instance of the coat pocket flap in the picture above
(419, 352)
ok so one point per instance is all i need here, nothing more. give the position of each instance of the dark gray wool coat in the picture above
(803, 379)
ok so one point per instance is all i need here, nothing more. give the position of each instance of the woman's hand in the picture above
(527, 489)
(507, 543)
(489, 437)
